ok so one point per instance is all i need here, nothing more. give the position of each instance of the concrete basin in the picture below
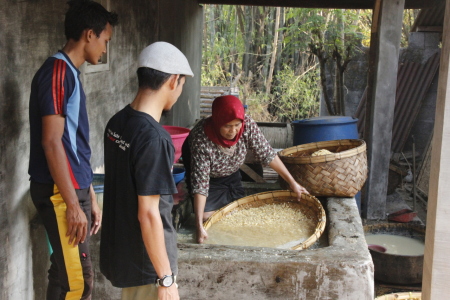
(341, 270)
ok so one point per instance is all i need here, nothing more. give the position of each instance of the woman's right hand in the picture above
(199, 207)
(201, 234)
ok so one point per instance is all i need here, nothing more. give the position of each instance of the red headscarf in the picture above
(224, 110)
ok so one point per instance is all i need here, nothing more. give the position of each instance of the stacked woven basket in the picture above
(341, 173)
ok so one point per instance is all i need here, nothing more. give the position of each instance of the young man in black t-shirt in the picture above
(138, 250)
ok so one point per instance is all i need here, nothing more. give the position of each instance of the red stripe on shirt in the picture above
(58, 87)
(59, 72)
(54, 84)
(63, 75)
(72, 177)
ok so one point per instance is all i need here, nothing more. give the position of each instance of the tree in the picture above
(334, 40)
(262, 48)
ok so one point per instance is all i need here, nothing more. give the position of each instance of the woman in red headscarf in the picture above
(213, 153)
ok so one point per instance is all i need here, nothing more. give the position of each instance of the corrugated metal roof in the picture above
(413, 81)
(430, 19)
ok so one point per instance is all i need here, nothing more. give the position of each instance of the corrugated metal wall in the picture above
(413, 82)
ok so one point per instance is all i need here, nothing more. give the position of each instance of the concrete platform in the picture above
(342, 270)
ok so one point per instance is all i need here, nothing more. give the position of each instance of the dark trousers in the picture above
(70, 275)
(222, 191)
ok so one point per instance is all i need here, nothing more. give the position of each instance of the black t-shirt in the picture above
(139, 156)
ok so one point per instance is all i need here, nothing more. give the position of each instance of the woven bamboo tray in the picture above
(340, 174)
(309, 205)
(401, 296)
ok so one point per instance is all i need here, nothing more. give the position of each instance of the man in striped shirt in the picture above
(59, 168)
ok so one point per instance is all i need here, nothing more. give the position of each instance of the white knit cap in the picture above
(166, 58)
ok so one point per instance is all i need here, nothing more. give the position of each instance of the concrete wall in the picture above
(30, 32)
(355, 80)
(188, 34)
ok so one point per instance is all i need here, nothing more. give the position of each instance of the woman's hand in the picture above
(280, 168)
(202, 235)
(199, 207)
(298, 189)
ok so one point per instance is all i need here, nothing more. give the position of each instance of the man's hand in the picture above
(52, 132)
(96, 213)
(168, 293)
(202, 235)
(76, 225)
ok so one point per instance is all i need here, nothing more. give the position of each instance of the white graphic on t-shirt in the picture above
(116, 138)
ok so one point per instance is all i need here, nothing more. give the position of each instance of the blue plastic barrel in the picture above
(327, 128)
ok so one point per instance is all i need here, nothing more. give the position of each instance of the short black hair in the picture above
(151, 78)
(87, 14)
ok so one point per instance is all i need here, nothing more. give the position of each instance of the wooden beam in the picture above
(436, 271)
(382, 78)
(429, 29)
(253, 175)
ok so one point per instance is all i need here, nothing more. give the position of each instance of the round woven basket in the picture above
(340, 174)
(309, 206)
(401, 296)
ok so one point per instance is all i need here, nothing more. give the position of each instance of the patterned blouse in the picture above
(209, 160)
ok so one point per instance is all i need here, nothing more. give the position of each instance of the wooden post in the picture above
(436, 271)
(382, 81)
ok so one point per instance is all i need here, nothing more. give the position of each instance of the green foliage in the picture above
(239, 45)
(409, 16)
(258, 107)
(296, 96)
(213, 73)
(324, 26)
(218, 49)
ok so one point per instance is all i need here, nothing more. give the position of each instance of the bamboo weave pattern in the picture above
(341, 174)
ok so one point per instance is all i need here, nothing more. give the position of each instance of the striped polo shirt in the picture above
(57, 90)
